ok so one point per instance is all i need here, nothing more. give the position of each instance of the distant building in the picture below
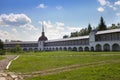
(108, 40)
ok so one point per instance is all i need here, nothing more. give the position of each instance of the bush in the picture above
(2, 52)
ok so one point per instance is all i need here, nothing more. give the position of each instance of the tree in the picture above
(2, 51)
(1, 44)
(74, 34)
(89, 28)
(65, 36)
(102, 25)
(16, 49)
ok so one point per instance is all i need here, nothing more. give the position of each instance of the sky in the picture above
(21, 19)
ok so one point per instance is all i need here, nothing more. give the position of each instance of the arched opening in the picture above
(50, 49)
(60, 49)
(53, 49)
(106, 47)
(30, 49)
(69, 49)
(98, 47)
(24, 49)
(65, 49)
(56, 49)
(86, 48)
(92, 48)
(74, 49)
(80, 49)
(115, 47)
(35, 49)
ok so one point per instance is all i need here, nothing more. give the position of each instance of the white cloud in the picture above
(106, 3)
(14, 19)
(28, 27)
(117, 14)
(17, 23)
(6, 35)
(58, 29)
(113, 7)
(100, 9)
(74, 29)
(59, 7)
(42, 6)
(102, 2)
(14, 30)
(117, 2)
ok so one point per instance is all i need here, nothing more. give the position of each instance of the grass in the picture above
(102, 72)
(1, 57)
(41, 61)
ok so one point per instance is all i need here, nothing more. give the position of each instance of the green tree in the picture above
(102, 25)
(89, 28)
(17, 49)
(1, 44)
(65, 36)
(74, 34)
(2, 51)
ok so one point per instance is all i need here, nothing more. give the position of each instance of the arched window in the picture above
(98, 47)
(86, 49)
(35, 49)
(56, 49)
(115, 47)
(106, 47)
(24, 49)
(65, 48)
(74, 49)
(92, 48)
(69, 49)
(80, 49)
(60, 48)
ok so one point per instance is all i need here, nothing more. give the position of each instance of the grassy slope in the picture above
(30, 62)
(47, 60)
(101, 72)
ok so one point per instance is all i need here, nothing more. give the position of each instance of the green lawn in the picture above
(102, 72)
(41, 61)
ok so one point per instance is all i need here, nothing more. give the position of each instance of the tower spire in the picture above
(43, 33)
(42, 26)
(42, 37)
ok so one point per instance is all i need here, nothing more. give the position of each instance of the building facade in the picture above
(107, 40)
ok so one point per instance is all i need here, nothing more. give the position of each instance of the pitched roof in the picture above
(108, 31)
(67, 39)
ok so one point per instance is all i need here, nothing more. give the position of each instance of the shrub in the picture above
(2, 52)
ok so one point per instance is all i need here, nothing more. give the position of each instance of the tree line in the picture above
(85, 31)
(2, 51)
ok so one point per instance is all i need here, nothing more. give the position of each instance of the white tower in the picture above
(42, 39)
(92, 38)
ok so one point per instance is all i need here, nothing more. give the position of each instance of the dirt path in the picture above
(67, 68)
(4, 75)
(4, 62)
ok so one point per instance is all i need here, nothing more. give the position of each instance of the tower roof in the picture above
(42, 37)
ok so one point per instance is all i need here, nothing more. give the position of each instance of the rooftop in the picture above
(108, 31)
(67, 39)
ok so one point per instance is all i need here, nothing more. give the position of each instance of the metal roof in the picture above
(21, 42)
(67, 39)
(108, 31)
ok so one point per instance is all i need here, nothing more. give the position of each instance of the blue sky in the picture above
(21, 19)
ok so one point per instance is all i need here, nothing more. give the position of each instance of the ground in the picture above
(68, 65)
